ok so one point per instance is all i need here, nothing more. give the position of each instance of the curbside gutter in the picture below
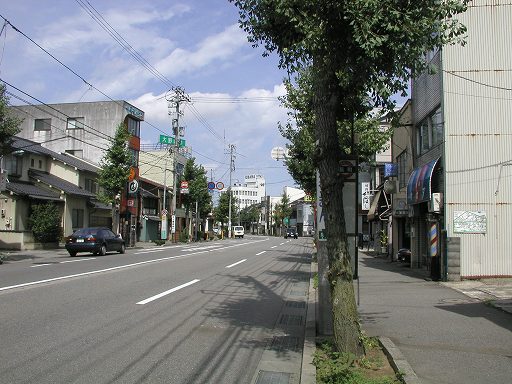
(397, 360)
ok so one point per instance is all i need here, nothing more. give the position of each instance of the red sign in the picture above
(130, 202)
(184, 185)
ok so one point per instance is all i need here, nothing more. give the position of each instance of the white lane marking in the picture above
(39, 265)
(262, 252)
(152, 298)
(74, 261)
(238, 262)
(274, 246)
(283, 243)
(95, 272)
(120, 266)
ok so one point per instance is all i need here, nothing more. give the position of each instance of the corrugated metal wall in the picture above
(477, 82)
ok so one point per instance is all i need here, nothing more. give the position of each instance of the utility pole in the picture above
(179, 97)
(231, 169)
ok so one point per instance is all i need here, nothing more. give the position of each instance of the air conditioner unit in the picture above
(436, 203)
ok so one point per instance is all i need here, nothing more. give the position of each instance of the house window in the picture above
(402, 169)
(430, 132)
(42, 124)
(91, 185)
(14, 165)
(77, 218)
(75, 123)
(40, 164)
(31, 162)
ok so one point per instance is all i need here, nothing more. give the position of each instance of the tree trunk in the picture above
(328, 155)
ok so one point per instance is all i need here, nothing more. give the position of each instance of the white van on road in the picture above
(238, 231)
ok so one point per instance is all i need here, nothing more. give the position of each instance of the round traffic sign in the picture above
(211, 185)
(220, 185)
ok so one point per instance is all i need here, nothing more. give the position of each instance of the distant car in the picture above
(238, 231)
(404, 255)
(290, 232)
(97, 241)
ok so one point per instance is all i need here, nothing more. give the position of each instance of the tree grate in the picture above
(291, 320)
(270, 377)
(285, 343)
(295, 304)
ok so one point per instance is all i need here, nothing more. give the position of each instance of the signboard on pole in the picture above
(163, 229)
(365, 196)
(173, 224)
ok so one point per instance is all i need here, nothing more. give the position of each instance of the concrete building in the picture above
(251, 191)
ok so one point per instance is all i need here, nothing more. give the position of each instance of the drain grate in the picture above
(295, 304)
(269, 377)
(285, 343)
(290, 320)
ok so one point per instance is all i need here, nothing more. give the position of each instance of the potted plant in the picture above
(383, 237)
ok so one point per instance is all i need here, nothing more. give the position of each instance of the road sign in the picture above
(348, 168)
(184, 185)
(133, 186)
(220, 185)
(211, 185)
(171, 141)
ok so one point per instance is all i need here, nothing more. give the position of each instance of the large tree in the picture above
(9, 125)
(358, 54)
(198, 189)
(115, 169)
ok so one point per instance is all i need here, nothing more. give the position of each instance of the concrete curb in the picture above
(308, 370)
(397, 360)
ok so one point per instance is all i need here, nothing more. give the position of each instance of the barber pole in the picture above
(433, 240)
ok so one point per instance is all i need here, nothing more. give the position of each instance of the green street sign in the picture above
(171, 141)
(286, 220)
(166, 140)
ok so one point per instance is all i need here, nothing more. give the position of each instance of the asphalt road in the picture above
(198, 313)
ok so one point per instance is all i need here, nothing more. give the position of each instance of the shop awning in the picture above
(374, 206)
(419, 185)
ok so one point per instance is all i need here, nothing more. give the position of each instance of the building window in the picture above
(133, 127)
(77, 218)
(134, 157)
(40, 164)
(75, 123)
(31, 162)
(14, 165)
(42, 124)
(91, 185)
(430, 132)
(402, 169)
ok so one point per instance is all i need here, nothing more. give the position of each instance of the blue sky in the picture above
(195, 44)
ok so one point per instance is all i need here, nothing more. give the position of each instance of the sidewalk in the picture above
(443, 330)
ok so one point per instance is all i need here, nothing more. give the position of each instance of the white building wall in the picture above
(477, 137)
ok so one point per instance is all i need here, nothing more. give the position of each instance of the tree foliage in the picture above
(9, 125)
(221, 211)
(282, 210)
(115, 166)
(356, 55)
(45, 222)
(198, 188)
(250, 214)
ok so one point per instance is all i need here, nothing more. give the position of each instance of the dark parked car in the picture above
(290, 232)
(94, 240)
(404, 255)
